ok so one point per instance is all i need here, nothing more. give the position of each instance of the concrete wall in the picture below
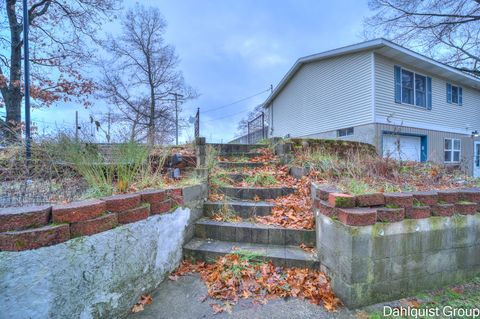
(362, 133)
(384, 261)
(98, 276)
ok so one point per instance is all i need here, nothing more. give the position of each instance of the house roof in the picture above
(388, 49)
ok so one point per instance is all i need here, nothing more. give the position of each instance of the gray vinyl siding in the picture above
(324, 96)
(442, 116)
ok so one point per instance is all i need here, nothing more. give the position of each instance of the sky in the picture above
(231, 49)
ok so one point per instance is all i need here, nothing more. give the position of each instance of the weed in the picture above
(417, 203)
(262, 179)
(392, 206)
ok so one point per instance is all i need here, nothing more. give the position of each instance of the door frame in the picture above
(475, 143)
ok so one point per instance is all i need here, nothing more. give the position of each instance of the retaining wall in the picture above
(393, 248)
(94, 269)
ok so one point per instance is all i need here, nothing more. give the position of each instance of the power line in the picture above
(235, 102)
(227, 116)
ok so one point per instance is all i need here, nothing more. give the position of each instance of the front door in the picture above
(476, 159)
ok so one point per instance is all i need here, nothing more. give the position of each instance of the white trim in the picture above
(425, 126)
(367, 45)
(452, 150)
(458, 93)
(373, 85)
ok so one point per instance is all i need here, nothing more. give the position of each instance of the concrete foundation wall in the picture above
(384, 261)
(362, 133)
(98, 276)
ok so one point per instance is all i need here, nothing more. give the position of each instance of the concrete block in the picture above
(276, 236)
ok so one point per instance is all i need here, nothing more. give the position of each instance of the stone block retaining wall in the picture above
(31, 227)
(383, 247)
(92, 259)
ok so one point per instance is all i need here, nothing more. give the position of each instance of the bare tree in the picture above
(446, 30)
(61, 37)
(242, 126)
(142, 75)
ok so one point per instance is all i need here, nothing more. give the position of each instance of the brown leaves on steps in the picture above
(243, 275)
(294, 210)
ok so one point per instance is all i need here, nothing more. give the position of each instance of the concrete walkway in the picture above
(182, 299)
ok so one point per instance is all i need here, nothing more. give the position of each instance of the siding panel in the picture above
(443, 115)
(326, 95)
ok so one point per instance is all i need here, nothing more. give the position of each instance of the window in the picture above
(345, 132)
(413, 88)
(420, 90)
(452, 150)
(454, 94)
(407, 87)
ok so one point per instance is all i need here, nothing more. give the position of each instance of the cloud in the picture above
(258, 51)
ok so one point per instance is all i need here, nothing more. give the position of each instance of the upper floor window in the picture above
(452, 150)
(345, 132)
(412, 88)
(454, 94)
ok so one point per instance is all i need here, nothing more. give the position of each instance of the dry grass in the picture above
(359, 173)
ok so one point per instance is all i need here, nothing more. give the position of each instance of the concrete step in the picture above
(255, 233)
(241, 154)
(289, 256)
(230, 165)
(233, 177)
(243, 209)
(235, 148)
(249, 193)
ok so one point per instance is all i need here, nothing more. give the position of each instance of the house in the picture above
(409, 106)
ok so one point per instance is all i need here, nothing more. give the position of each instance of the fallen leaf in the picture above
(216, 308)
(137, 308)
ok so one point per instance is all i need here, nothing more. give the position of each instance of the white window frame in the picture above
(458, 94)
(414, 90)
(452, 150)
(346, 131)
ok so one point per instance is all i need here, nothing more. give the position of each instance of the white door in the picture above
(402, 147)
(476, 159)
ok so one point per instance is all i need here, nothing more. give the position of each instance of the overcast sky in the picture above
(231, 49)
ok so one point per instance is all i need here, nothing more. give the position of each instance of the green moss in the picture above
(417, 203)
(411, 224)
(377, 228)
(343, 201)
(20, 244)
(436, 223)
(392, 206)
(465, 202)
(459, 220)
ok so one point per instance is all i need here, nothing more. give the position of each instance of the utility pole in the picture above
(76, 126)
(109, 122)
(176, 95)
(27, 80)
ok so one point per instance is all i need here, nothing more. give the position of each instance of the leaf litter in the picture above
(244, 274)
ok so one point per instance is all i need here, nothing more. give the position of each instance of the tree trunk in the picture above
(13, 98)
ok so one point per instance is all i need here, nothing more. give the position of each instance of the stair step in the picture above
(233, 177)
(241, 208)
(236, 148)
(249, 193)
(227, 165)
(255, 233)
(289, 256)
(241, 154)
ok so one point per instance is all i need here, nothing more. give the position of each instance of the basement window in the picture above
(345, 132)
(452, 150)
